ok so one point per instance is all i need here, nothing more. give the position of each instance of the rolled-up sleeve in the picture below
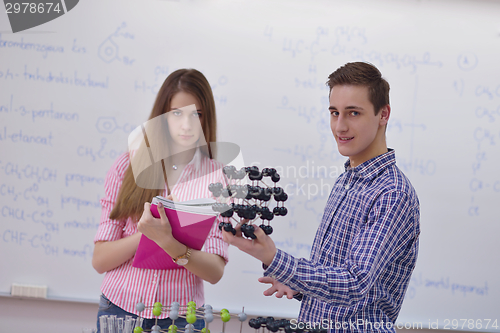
(215, 244)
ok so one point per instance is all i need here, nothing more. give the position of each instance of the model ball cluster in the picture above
(283, 325)
(189, 312)
(245, 203)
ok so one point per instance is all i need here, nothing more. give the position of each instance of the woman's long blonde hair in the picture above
(131, 197)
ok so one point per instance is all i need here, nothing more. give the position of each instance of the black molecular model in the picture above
(250, 202)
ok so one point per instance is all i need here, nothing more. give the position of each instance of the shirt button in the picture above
(346, 187)
(309, 302)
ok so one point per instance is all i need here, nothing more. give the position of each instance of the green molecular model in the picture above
(192, 314)
(189, 312)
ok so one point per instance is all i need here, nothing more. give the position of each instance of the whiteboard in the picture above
(71, 90)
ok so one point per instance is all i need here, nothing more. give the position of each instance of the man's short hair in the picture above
(363, 74)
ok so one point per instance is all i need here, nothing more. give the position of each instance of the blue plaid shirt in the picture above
(363, 254)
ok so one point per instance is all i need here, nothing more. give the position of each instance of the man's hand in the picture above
(261, 248)
(277, 287)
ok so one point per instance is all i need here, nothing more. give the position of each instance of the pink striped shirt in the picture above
(125, 285)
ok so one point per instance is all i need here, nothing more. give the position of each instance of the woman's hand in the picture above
(172, 197)
(277, 287)
(158, 230)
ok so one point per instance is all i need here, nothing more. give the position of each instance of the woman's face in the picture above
(184, 120)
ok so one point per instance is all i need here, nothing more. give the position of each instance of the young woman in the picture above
(177, 135)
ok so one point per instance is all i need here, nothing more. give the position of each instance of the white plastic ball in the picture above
(189, 328)
(209, 317)
(139, 307)
(174, 314)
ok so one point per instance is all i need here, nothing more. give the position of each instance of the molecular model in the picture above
(250, 202)
(112, 324)
(285, 325)
(175, 310)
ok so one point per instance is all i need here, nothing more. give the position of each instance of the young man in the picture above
(366, 246)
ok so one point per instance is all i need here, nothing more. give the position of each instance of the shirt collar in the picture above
(372, 167)
(196, 160)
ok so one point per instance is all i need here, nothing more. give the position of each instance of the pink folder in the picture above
(191, 229)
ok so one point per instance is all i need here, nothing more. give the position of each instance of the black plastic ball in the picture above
(281, 197)
(254, 170)
(283, 211)
(240, 174)
(273, 326)
(248, 231)
(229, 170)
(267, 215)
(242, 211)
(284, 322)
(256, 176)
(227, 213)
(277, 190)
(267, 229)
(250, 214)
(269, 320)
(241, 191)
(261, 320)
(253, 323)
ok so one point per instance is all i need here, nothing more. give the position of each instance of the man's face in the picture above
(358, 131)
